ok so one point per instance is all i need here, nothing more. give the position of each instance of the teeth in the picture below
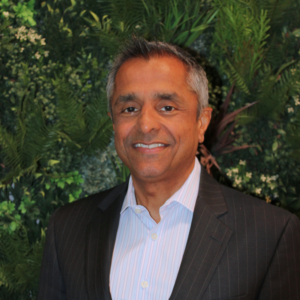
(148, 146)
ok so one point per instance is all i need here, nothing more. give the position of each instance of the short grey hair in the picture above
(140, 48)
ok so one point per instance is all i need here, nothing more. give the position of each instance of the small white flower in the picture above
(242, 162)
(37, 55)
(6, 14)
(236, 170)
(46, 53)
(249, 174)
(296, 99)
(21, 34)
(43, 42)
(290, 109)
(268, 179)
(229, 173)
(257, 191)
(22, 49)
(263, 178)
(238, 180)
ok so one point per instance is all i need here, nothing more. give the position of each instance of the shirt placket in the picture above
(148, 255)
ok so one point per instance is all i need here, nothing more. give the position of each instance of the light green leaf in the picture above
(69, 180)
(296, 32)
(61, 184)
(275, 146)
(95, 16)
(13, 226)
(53, 162)
(71, 198)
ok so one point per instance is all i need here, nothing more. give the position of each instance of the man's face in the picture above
(155, 118)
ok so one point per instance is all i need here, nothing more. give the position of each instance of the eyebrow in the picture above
(132, 96)
(166, 96)
(126, 98)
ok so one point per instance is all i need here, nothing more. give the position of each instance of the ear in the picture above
(109, 114)
(203, 122)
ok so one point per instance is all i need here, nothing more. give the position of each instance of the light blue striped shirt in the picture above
(147, 255)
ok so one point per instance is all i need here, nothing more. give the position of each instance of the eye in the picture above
(130, 109)
(167, 108)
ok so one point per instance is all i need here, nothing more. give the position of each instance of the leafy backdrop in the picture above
(57, 141)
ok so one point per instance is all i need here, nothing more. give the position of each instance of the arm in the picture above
(51, 282)
(282, 280)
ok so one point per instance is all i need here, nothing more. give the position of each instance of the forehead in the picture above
(156, 72)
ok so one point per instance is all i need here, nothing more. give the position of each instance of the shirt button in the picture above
(154, 236)
(138, 211)
(144, 284)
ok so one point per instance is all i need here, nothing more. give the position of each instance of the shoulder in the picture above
(82, 209)
(236, 199)
(252, 212)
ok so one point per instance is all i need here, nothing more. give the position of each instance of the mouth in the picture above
(153, 148)
(149, 146)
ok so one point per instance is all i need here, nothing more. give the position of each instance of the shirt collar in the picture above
(186, 195)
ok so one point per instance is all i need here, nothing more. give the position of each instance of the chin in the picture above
(149, 172)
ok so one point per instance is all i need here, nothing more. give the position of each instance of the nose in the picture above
(148, 120)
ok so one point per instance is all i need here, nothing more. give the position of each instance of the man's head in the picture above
(157, 117)
(140, 48)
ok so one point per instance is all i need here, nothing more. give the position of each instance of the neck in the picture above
(153, 194)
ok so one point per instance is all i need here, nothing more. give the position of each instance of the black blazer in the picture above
(238, 248)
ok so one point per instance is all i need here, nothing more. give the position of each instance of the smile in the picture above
(151, 146)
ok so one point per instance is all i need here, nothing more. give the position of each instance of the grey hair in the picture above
(140, 48)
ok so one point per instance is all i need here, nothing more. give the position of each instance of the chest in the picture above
(147, 256)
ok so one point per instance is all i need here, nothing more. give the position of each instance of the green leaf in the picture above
(77, 193)
(282, 132)
(31, 21)
(53, 162)
(95, 16)
(22, 208)
(61, 184)
(17, 217)
(82, 13)
(69, 180)
(296, 32)
(13, 226)
(275, 146)
(71, 198)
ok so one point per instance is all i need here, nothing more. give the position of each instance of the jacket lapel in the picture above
(206, 243)
(101, 235)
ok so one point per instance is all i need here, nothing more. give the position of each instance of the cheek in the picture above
(122, 132)
(190, 135)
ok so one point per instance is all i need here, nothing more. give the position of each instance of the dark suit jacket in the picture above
(239, 248)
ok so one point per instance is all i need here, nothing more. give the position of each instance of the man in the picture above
(171, 231)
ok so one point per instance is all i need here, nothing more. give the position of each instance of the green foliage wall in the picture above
(56, 138)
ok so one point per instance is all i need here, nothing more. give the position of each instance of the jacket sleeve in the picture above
(51, 284)
(282, 280)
